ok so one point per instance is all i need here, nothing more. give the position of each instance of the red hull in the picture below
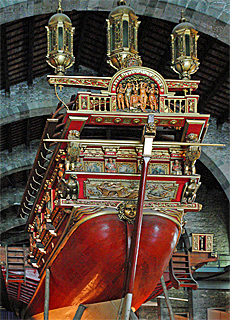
(92, 260)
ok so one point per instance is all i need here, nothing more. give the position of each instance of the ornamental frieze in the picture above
(116, 189)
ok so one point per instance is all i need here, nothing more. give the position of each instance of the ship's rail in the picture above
(103, 102)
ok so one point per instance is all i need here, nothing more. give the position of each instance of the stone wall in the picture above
(204, 299)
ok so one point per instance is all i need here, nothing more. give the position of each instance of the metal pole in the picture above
(47, 295)
(79, 312)
(134, 250)
(169, 306)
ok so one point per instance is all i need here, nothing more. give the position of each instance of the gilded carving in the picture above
(93, 153)
(127, 211)
(174, 213)
(150, 129)
(73, 150)
(75, 81)
(137, 93)
(190, 190)
(191, 155)
(202, 242)
(67, 189)
(127, 153)
(115, 189)
(72, 188)
(160, 154)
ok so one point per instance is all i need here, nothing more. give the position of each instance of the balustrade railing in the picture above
(103, 102)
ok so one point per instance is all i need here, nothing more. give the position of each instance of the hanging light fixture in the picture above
(122, 32)
(60, 42)
(184, 49)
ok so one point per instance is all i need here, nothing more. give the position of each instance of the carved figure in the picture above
(150, 129)
(73, 149)
(127, 211)
(176, 168)
(190, 189)
(135, 100)
(128, 91)
(72, 188)
(60, 191)
(61, 171)
(192, 154)
(120, 97)
(152, 98)
(143, 95)
(111, 166)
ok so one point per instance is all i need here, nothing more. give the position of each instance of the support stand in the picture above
(47, 295)
(169, 306)
(148, 136)
(79, 312)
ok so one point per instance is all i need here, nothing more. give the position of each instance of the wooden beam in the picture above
(30, 49)
(28, 132)
(80, 41)
(216, 86)
(6, 81)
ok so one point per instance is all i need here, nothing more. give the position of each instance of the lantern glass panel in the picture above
(187, 44)
(112, 37)
(50, 41)
(125, 34)
(60, 38)
(176, 48)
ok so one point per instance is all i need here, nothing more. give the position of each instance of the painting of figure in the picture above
(158, 168)
(110, 166)
(93, 166)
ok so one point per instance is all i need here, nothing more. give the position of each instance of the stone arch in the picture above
(220, 175)
(207, 16)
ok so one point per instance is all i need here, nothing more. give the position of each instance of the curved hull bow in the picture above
(93, 259)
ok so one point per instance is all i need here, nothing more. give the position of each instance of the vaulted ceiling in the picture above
(24, 55)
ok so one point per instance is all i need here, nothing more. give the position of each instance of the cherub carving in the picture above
(127, 211)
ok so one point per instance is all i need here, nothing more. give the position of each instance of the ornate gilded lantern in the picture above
(184, 49)
(60, 42)
(122, 31)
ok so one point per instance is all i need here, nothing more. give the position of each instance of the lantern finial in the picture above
(121, 3)
(122, 30)
(184, 48)
(59, 6)
(60, 42)
(182, 19)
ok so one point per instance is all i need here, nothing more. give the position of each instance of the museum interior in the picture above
(28, 100)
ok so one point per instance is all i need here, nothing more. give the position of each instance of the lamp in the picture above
(184, 49)
(60, 42)
(122, 31)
